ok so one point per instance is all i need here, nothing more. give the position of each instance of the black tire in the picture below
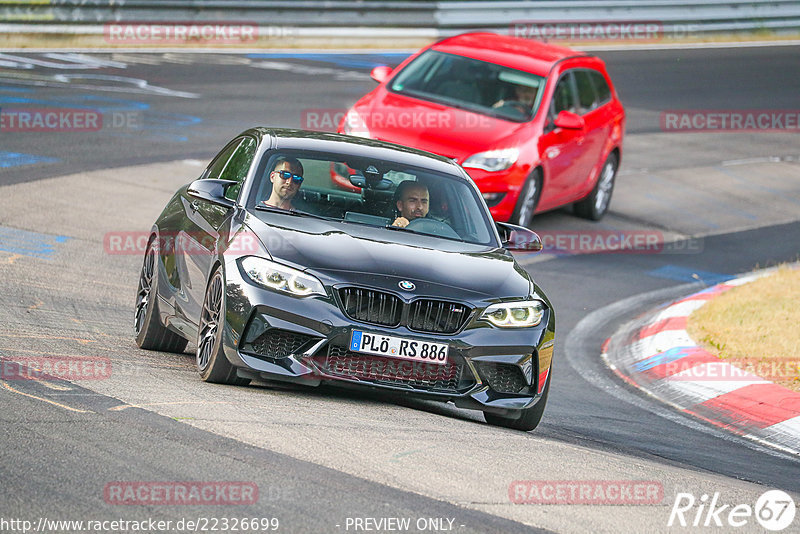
(528, 200)
(150, 333)
(530, 417)
(212, 365)
(595, 205)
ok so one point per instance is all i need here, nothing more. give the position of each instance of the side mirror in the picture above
(212, 190)
(518, 239)
(380, 73)
(569, 121)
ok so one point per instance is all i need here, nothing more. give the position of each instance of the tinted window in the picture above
(564, 96)
(369, 195)
(238, 166)
(472, 84)
(218, 164)
(586, 95)
(602, 88)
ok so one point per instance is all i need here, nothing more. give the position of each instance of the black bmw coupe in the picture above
(398, 280)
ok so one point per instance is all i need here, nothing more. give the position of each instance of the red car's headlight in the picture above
(493, 160)
(354, 124)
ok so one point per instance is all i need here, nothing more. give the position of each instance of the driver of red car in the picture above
(525, 94)
(413, 202)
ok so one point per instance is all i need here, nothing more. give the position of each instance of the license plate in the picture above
(398, 347)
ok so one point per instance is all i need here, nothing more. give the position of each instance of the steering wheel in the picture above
(516, 105)
(424, 225)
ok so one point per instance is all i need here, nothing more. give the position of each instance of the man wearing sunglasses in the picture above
(286, 177)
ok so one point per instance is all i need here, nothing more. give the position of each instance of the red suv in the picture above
(536, 126)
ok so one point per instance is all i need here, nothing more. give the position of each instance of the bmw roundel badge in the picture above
(408, 286)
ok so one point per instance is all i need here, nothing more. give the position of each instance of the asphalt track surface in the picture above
(727, 203)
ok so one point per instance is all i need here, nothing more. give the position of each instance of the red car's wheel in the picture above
(595, 205)
(528, 200)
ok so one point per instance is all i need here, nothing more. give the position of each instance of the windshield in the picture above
(356, 190)
(471, 84)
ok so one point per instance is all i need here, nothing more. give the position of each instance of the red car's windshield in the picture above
(471, 84)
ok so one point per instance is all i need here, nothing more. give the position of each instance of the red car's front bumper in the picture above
(506, 185)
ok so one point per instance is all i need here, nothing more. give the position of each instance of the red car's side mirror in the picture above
(569, 121)
(380, 73)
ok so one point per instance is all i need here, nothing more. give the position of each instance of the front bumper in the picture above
(505, 184)
(273, 336)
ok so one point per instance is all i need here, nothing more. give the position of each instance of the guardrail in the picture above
(402, 17)
(307, 13)
(705, 17)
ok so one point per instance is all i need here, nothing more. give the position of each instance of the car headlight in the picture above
(354, 124)
(281, 278)
(515, 314)
(493, 160)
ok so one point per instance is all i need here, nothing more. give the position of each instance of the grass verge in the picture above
(756, 327)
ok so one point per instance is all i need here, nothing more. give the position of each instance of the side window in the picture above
(238, 166)
(564, 96)
(602, 88)
(218, 164)
(586, 95)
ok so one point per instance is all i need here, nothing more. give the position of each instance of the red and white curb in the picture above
(657, 355)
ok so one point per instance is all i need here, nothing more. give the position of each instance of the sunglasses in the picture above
(285, 175)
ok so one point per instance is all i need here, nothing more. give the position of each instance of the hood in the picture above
(447, 131)
(376, 257)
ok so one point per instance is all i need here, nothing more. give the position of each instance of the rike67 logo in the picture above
(774, 510)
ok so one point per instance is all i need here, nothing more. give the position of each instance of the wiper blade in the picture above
(297, 213)
(405, 229)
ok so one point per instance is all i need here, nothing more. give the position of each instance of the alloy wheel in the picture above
(604, 186)
(209, 322)
(145, 289)
(528, 204)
